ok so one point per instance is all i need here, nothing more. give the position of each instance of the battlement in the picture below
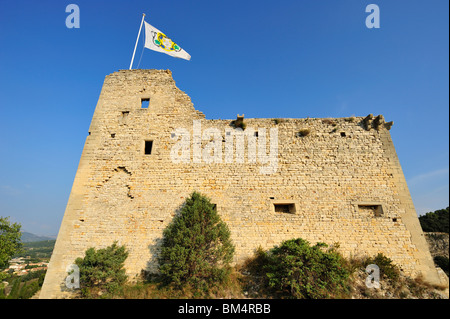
(328, 180)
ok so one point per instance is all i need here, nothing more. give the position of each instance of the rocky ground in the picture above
(403, 288)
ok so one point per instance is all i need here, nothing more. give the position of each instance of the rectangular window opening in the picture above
(148, 147)
(145, 103)
(288, 208)
(374, 209)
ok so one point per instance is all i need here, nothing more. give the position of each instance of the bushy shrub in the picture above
(196, 249)
(387, 268)
(296, 269)
(102, 270)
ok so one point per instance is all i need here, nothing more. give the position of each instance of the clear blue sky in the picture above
(270, 59)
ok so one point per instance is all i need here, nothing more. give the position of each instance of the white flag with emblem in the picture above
(158, 41)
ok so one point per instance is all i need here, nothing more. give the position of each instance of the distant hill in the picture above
(29, 237)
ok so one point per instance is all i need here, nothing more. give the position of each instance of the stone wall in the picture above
(340, 179)
(438, 243)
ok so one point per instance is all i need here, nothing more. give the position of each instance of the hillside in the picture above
(29, 237)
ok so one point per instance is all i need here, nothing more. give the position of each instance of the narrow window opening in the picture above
(145, 103)
(394, 219)
(148, 147)
(284, 208)
(372, 209)
(256, 134)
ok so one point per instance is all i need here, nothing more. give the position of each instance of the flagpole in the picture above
(132, 59)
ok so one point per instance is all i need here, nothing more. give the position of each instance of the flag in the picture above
(158, 41)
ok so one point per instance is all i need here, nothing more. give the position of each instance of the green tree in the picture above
(197, 248)
(10, 243)
(102, 270)
(437, 221)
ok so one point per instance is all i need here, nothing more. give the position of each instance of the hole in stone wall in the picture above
(285, 208)
(148, 147)
(113, 135)
(145, 102)
(374, 209)
(343, 134)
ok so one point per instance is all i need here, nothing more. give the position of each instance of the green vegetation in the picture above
(10, 243)
(101, 271)
(437, 221)
(388, 269)
(194, 262)
(196, 250)
(23, 287)
(295, 269)
(37, 250)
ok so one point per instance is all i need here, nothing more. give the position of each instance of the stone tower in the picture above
(328, 180)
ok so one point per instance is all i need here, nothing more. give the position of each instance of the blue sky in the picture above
(272, 59)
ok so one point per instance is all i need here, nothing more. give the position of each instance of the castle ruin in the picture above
(325, 180)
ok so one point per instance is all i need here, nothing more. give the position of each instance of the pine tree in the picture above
(196, 249)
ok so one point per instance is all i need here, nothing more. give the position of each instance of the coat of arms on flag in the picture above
(162, 41)
(158, 41)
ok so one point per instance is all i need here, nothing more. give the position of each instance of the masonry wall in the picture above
(343, 178)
